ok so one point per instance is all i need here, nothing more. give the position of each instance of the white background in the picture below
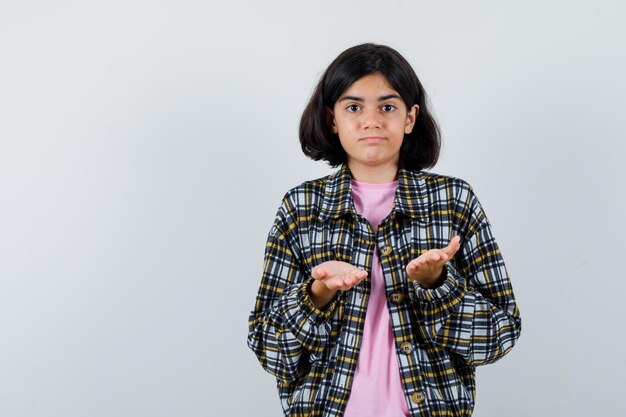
(145, 147)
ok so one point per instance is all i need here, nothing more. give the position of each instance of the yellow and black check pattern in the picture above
(441, 334)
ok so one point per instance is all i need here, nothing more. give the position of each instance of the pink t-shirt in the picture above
(376, 390)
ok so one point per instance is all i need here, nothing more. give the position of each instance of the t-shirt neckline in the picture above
(371, 185)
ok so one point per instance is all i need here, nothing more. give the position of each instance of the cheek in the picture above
(342, 139)
(344, 131)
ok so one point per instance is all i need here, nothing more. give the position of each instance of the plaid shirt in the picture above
(440, 334)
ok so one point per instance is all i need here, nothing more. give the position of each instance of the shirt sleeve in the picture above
(285, 327)
(473, 313)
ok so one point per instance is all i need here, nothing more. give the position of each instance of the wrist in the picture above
(437, 282)
(320, 294)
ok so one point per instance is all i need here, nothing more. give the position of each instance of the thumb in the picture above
(453, 246)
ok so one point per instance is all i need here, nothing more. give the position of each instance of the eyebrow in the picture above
(381, 98)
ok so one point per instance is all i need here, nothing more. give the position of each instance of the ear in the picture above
(411, 116)
(330, 119)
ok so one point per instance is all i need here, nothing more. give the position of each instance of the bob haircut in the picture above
(419, 149)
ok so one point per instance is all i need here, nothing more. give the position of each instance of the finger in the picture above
(436, 259)
(425, 259)
(453, 246)
(356, 282)
(351, 281)
(442, 256)
(318, 273)
(455, 243)
(431, 261)
(360, 273)
(355, 278)
(434, 254)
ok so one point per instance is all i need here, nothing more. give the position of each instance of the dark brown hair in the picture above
(420, 148)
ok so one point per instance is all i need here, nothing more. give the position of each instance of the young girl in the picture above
(383, 286)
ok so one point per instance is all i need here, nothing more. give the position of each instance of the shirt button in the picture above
(417, 397)
(396, 297)
(386, 250)
(406, 347)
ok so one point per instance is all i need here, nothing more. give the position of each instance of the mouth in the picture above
(372, 139)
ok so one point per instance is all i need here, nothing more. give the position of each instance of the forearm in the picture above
(277, 351)
(460, 319)
(282, 333)
(285, 326)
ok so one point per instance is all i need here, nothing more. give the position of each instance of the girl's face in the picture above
(371, 120)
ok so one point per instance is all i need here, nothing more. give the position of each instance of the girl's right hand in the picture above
(332, 276)
(338, 275)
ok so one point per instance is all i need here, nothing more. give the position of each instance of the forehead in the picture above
(371, 85)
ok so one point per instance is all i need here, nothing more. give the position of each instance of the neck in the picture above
(374, 174)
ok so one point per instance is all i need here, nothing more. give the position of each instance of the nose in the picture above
(371, 119)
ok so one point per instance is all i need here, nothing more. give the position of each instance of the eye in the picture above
(353, 107)
(388, 107)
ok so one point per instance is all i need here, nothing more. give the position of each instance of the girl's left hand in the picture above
(428, 267)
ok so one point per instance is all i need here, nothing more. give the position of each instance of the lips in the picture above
(372, 139)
